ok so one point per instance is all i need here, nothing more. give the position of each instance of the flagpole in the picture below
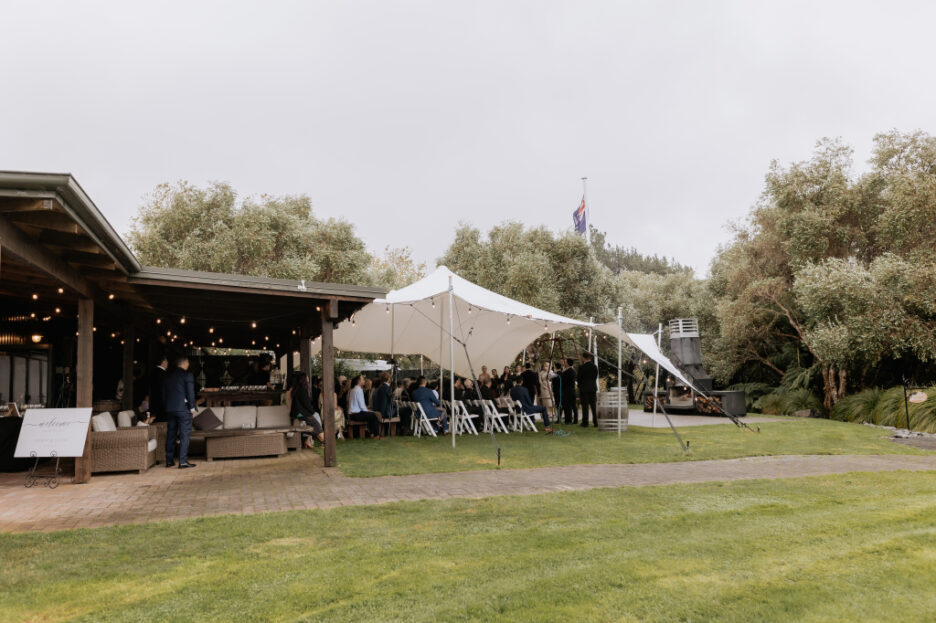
(587, 211)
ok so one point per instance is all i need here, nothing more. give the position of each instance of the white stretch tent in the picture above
(417, 320)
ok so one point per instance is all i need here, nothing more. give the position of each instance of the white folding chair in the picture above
(422, 422)
(493, 419)
(465, 420)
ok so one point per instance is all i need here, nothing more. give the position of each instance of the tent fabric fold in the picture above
(646, 343)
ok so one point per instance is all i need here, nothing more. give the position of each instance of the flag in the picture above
(578, 217)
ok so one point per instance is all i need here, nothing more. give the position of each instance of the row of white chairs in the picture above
(461, 420)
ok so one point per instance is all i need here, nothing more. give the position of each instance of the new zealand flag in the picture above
(578, 217)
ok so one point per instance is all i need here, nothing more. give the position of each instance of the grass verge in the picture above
(854, 547)
(409, 455)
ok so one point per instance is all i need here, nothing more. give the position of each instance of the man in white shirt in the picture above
(357, 409)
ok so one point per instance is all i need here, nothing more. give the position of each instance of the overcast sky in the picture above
(408, 117)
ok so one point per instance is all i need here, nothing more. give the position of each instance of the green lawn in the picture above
(409, 455)
(854, 547)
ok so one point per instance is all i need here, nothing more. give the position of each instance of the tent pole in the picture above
(420, 365)
(392, 338)
(619, 319)
(453, 422)
(656, 378)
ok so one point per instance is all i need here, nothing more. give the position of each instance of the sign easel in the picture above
(51, 433)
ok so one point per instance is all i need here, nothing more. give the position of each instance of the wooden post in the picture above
(305, 351)
(328, 382)
(83, 380)
(128, 343)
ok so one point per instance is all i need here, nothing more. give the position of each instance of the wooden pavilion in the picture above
(76, 303)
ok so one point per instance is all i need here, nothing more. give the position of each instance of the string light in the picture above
(110, 297)
(253, 325)
(388, 309)
(169, 333)
(433, 303)
(182, 320)
(159, 321)
(61, 290)
(58, 310)
(35, 297)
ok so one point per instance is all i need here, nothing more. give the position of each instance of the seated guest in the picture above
(428, 400)
(339, 414)
(357, 409)
(301, 409)
(470, 396)
(368, 387)
(521, 395)
(487, 390)
(459, 389)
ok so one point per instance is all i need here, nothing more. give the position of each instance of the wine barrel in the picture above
(608, 410)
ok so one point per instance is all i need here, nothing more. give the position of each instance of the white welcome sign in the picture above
(53, 432)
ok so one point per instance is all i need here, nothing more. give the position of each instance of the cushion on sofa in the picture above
(240, 417)
(273, 417)
(125, 419)
(103, 422)
(151, 445)
(206, 420)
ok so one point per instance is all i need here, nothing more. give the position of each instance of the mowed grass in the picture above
(409, 455)
(854, 547)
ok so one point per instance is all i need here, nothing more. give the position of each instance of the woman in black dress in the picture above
(301, 409)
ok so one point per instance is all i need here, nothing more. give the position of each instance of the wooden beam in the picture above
(17, 244)
(328, 388)
(332, 308)
(128, 335)
(47, 220)
(95, 260)
(83, 380)
(73, 242)
(26, 205)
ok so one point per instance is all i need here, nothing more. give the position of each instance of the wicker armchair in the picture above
(124, 449)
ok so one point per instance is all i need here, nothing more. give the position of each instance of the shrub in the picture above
(787, 402)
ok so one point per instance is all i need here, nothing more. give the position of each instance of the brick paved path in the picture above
(299, 481)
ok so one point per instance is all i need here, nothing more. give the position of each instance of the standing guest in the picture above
(179, 399)
(157, 406)
(484, 375)
(429, 402)
(567, 392)
(506, 381)
(495, 381)
(382, 401)
(357, 409)
(521, 395)
(531, 381)
(546, 395)
(555, 381)
(300, 408)
(588, 388)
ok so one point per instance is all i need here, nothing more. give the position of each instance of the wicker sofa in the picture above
(134, 448)
(250, 431)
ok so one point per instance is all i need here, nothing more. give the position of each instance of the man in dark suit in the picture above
(157, 405)
(588, 388)
(179, 397)
(567, 392)
(531, 382)
(519, 393)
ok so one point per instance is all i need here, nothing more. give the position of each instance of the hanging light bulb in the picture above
(508, 319)
(433, 303)
(388, 308)
(210, 329)
(253, 325)
(159, 321)
(182, 320)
